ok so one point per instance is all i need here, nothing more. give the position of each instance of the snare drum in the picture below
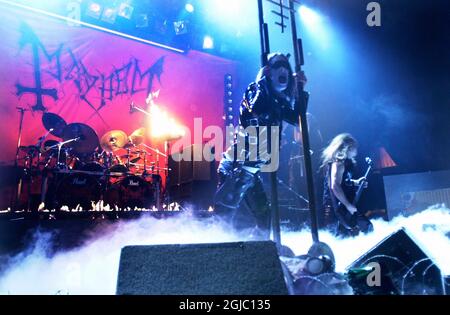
(131, 191)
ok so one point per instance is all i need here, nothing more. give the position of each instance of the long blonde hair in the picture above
(338, 148)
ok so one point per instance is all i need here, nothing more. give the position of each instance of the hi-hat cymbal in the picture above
(54, 123)
(137, 136)
(113, 140)
(88, 139)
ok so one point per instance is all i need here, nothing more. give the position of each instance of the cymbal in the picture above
(88, 139)
(113, 140)
(55, 122)
(137, 136)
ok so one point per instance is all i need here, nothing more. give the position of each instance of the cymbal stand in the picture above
(166, 172)
(144, 173)
(31, 157)
(128, 158)
(154, 150)
(17, 194)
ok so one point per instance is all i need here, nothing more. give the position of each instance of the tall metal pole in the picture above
(275, 214)
(303, 99)
(264, 34)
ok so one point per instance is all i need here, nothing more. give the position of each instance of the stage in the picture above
(224, 147)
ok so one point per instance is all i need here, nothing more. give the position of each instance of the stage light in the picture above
(208, 42)
(309, 16)
(94, 9)
(180, 27)
(189, 7)
(125, 10)
(163, 126)
(142, 20)
(109, 15)
(317, 25)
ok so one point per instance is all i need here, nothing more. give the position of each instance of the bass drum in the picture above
(130, 192)
(78, 189)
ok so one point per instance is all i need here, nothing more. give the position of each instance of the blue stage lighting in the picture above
(309, 16)
(208, 42)
(94, 9)
(189, 7)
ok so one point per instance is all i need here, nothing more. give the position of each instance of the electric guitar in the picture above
(356, 220)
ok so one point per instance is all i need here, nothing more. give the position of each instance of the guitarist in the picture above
(338, 161)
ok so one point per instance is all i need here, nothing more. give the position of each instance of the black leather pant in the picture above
(240, 197)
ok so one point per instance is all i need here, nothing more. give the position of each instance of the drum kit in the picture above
(80, 169)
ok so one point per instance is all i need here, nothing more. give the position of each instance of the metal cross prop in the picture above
(303, 101)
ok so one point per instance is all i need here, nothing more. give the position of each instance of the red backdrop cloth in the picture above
(94, 76)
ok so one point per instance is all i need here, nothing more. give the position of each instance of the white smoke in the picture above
(427, 228)
(92, 268)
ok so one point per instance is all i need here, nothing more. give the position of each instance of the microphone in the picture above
(131, 108)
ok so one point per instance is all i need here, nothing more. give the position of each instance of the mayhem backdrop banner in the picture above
(91, 77)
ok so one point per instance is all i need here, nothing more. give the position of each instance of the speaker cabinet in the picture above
(404, 268)
(407, 194)
(240, 268)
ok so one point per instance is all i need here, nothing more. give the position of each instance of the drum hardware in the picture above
(16, 196)
(55, 149)
(158, 154)
(128, 157)
(74, 167)
(49, 145)
(32, 152)
(59, 146)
